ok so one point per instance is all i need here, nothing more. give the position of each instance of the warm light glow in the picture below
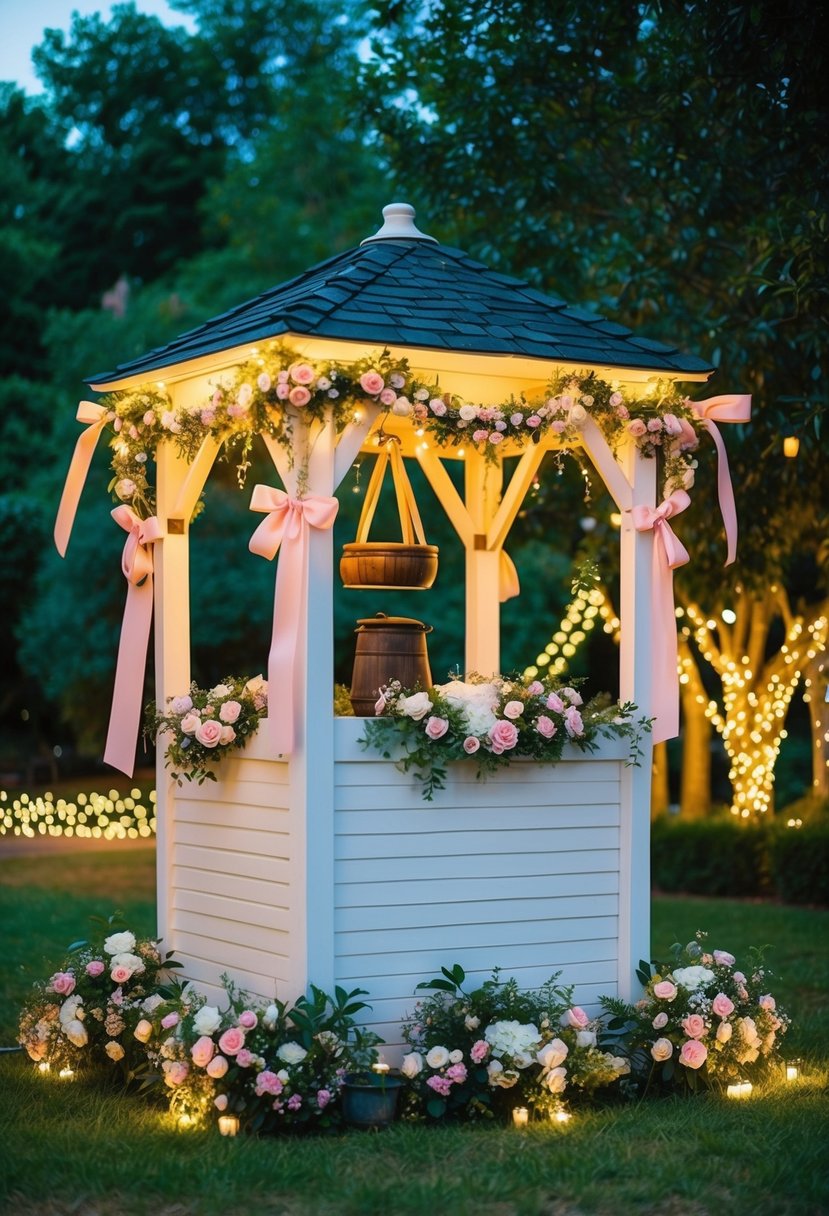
(616, 519)
(185, 1122)
(793, 1070)
(381, 1068)
(44, 1066)
(729, 616)
(742, 1089)
(67, 1074)
(791, 446)
(561, 1116)
(520, 1116)
(228, 1124)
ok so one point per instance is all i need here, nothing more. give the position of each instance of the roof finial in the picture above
(398, 225)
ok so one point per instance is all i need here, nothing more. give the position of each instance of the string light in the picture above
(110, 816)
(585, 610)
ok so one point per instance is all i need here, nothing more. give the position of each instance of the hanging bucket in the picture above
(388, 648)
(408, 566)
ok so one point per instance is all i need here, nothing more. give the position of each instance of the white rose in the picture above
(438, 1057)
(662, 1049)
(75, 1032)
(523, 1059)
(207, 1020)
(119, 943)
(578, 414)
(221, 690)
(619, 1064)
(69, 1009)
(724, 1032)
(412, 1065)
(402, 407)
(512, 1038)
(468, 412)
(291, 1053)
(270, 1017)
(693, 977)
(417, 706)
(552, 1054)
(134, 964)
(505, 1079)
(586, 1038)
(471, 1023)
(494, 1067)
(152, 1002)
(556, 1080)
(143, 1031)
(256, 684)
(455, 1057)
(114, 1050)
(283, 1076)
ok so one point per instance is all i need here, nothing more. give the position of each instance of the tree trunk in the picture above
(660, 793)
(815, 698)
(695, 779)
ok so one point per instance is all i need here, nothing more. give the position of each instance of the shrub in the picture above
(709, 857)
(799, 862)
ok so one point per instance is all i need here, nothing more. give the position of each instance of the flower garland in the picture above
(272, 389)
(490, 721)
(204, 724)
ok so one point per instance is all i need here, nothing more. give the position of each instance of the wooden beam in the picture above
(352, 439)
(449, 498)
(193, 484)
(516, 491)
(607, 465)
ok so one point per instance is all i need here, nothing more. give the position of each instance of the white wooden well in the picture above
(326, 866)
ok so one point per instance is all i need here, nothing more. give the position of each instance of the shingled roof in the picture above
(403, 289)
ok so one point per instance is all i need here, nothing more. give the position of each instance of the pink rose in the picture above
(203, 1051)
(636, 428)
(456, 1073)
(116, 996)
(229, 712)
(143, 1031)
(95, 968)
(301, 373)
(220, 1102)
(441, 1085)
(660, 1020)
(217, 1067)
(535, 689)
(479, 1051)
(282, 391)
(379, 706)
(662, 1050)
(513, 709)
(724, 1032)
(575, 1016)
(299, 396)
(767, 1002)
(503, 735)
(722, 1005)
(372, 382)
(739, 978)
(209, 733)
(495, 437)
(688, 439)
(323, 1098)
(572, 696)
(694, 1026)
(63, 982)
(170, 1019)
(437, 407)
(248, 1019)
(558, 426)
(573, 723)
(436, 727)
(175, 1072)
(555, 703)
(263, 382)
(479, 436)
(724, 959)
(533, 420)
(664, 990)
(232, 1040)
(388, 396)
(655, 426)
(471, 745)
(294, 1102)
(517, 419)
(545, 726)
(693, 1054)
(672, 424)
(227, 736)
(268, 1083)
(244, 1058)
(120, 974)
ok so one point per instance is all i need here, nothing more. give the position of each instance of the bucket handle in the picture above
(410, 522)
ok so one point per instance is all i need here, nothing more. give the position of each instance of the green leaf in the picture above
(436, 1107)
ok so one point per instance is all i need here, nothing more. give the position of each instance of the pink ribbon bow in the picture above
(286, 523)
(137, 566)
(94, 416)
(668, 553)
(735, 407)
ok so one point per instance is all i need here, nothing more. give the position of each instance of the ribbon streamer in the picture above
(508, 582)
(94, 417)
(137, 567)
(668, 553)
(735, 407)
(287, 523)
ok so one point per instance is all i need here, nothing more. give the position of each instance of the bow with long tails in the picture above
(94, 417)
(137, 567)
(734, 407)
(668, 553)
(287, 524)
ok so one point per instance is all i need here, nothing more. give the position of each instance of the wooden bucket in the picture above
(410, 565)
(388, 648)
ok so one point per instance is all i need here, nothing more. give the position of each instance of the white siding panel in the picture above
(426, 891)
(517, 818)
(498, 935)
(221, 862)
(242, 840)
(470, 841)
(428, 958)
(479, 867)
(232, 957)
(212, 813)
(478, 796)
(448, 914)
(598, 975)
(233, 886)
(239, 911)
(241, 793)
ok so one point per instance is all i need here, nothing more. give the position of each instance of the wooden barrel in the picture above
(381, 564)
(388, 648)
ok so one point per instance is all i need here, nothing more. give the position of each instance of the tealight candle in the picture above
(742, 1089)
(185, 1121)
(380, 1068)
(44, 1066)
(561, 1116)
(793, 1070)
(66, 1074)
(520, 1116)
(228, 1125)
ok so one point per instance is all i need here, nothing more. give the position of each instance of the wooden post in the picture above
(483, 608)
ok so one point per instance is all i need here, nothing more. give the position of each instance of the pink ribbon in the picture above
(137, 566)
(668, 553)
(735, 407)
(286, 523)
(94, 416)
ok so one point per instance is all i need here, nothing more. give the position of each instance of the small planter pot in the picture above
(370, 1101)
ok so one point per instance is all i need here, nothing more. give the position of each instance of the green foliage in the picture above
(799, 863)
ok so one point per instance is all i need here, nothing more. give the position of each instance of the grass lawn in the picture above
(71, 1149)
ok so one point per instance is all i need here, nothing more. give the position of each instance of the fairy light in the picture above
(585, 610)
(110, 816)
(751, 721)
